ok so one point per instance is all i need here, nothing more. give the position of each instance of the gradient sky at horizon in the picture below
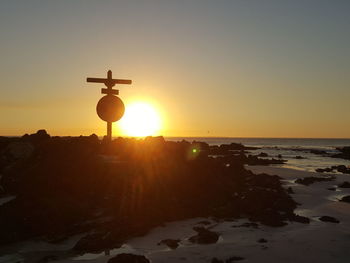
(212, 68)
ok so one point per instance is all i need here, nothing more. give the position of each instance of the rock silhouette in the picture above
(329, 219)
(121, 189)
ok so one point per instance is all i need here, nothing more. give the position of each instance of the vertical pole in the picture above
(109, 131)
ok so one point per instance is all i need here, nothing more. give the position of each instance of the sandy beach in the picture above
(315, 242)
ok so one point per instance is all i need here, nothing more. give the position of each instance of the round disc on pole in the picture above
(110, 108)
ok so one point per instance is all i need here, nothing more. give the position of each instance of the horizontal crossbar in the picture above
(113, 81)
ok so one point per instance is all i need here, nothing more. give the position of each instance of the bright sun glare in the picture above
(140, 120)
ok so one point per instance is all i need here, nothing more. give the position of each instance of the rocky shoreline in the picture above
(113, 191)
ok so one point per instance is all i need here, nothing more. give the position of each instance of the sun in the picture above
(140, 119)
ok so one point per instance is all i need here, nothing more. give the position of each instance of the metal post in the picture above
(109, 131)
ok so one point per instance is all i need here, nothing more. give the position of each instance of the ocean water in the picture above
(289, 148)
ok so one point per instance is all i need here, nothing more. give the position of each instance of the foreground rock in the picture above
(345, 199)
(329, 219)
(97, 242)
(171, 243)
(300, 219)
(248, 224)
(204, 236)
(74, 189)
(128, 258)
(344, 185)
(311, 180)
(262, 240)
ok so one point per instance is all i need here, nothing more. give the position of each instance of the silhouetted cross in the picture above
(110, 108)
(109, 82)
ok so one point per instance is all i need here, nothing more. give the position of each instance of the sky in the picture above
(223, 68)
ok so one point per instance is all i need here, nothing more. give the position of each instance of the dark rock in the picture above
(311, 180)
(262, 240)
(215, 260)
(229, 149)
(262, 154)
(248, 224)
(345, 199)
(254, 160)
(329, 219)
(96, 242)
(290, 190)
(204, 236)
(128, 258)
(204, 222)
(300, 219)
(318, 152)
(344, 185)
(38, 137)
(153, 182)
(340, 168)
(271, 219)
(299, 157)
(332, 188)
(279, 156)
(344, 153)
(171, 243)
(343, 169)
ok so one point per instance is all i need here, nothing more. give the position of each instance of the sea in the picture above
(288, 148)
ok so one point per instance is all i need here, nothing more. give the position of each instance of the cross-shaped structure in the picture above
(109, 105)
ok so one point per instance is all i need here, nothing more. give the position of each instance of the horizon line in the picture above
(208, 137)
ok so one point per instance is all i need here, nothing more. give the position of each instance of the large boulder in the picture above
(38, 137)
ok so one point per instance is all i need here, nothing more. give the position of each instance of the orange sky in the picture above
(233, 68)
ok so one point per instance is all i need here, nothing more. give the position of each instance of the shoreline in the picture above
(323, 242)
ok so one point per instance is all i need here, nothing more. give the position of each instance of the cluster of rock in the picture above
(339, 168)
(312, 179)
(64, 186)
(344, 153)
(239, 152)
